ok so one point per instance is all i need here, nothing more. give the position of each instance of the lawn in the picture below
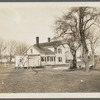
(47, 81)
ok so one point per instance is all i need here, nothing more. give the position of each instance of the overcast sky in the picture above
(25, 21)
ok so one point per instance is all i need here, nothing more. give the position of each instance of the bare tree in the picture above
(73, 46)
(94, 42)
(77, 21)
(11, 49)
(21, 48)
(2, 48)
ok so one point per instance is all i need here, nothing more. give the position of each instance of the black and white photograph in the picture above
(49, 47)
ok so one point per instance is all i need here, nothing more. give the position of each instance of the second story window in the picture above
(20, 60)
(59, 50)
(55, 50)
(31, 50)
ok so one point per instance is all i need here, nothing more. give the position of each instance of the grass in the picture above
(47, 81)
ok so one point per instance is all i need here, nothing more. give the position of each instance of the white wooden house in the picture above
(41, 54)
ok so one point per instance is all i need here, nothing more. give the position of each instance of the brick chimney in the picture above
(37, 41)
(48, 39)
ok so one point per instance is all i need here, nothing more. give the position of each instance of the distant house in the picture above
(41, 54)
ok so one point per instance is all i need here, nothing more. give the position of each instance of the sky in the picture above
(26, 21)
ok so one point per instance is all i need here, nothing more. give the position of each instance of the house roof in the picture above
(42, 47)
(50, 44)
(43, 50)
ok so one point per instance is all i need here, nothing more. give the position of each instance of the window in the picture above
(55, 50)
(51, 58)
(31, 51)
(54, 58)
(59, 50)
(59, 59)
(48, 58)
(45, 58)
(20, 60)
(42, 59)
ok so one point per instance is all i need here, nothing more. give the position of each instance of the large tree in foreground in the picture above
(73, 45)
(77, 21)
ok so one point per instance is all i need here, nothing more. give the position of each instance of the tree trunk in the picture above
(86, 60)
(74, 61)
(10, 59)
(82, 37)
(93, 59)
